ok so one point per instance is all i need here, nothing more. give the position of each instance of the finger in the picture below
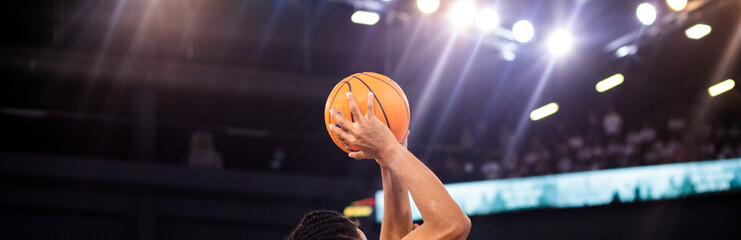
(415, 226)
(341, 121)
(370, 111)
(359, 155)
(341, 133)
(354, 110)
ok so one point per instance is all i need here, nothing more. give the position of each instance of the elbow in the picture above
(460, 229)
(465, 227)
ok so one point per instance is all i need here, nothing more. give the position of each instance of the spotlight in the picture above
(428, 6)
(523, 31)
(544, 111)
(487, 19)
(365, 17)
(626, 50)
(721, 87)
(646, 13)
(508, 52)
(559, 43)
(698, 31)
(462, 12)
(677, 5)
(508, 55)
(609, 82)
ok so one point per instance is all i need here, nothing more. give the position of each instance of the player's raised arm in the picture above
(444, 219)
(397, 213)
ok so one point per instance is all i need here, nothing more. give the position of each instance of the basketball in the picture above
(391, 105)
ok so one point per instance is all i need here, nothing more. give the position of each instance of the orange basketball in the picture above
(391, 105)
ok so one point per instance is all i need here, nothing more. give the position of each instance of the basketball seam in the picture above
(333, 135)
(397, 92)
(378, 101)
(352, 118)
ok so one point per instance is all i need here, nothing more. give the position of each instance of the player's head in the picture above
(326, 224)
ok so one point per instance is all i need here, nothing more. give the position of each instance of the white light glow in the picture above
(523, 31)
(609, 82)
(462, 13)
(487, 19)
(365, 17)
(677, 5)
(509, 55)
(544, 111)
(508, 52)
(646, 13)
(626, 50)
(428, 6)
(698, 31)
(559, 43)
(721, 87)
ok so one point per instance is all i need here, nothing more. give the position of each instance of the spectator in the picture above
(576, 142)
(491, 169)
(202, 151)
(612, 123)
(593, 127)
(676, 125)
(648, 134)
(564, 162)
(279, 156)
(452, 169)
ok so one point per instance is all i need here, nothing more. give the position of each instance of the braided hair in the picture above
(325, 225)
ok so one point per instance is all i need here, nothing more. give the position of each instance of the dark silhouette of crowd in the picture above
(602, 142)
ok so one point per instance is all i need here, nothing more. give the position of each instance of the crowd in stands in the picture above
(602, 143)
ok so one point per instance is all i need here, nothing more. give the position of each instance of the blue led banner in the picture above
(590, 188)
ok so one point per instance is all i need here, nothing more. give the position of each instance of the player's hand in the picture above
(372, 138)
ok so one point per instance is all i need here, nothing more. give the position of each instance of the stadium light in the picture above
(523, 31)
(698, 31)
(428, 6)
(462, 12)
(365, 17)
(487, 19)
(721, 87)
(559, 43)
(508, 52)
(646, 13)
(544, 111)
(626, 50)
(508, 55)
(609, 82)
(676, 5)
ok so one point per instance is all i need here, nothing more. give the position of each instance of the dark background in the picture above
(99, 99)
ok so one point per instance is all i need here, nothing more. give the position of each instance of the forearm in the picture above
(397, 216)
(437, 207)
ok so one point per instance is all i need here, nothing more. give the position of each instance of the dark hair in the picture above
(325, 224)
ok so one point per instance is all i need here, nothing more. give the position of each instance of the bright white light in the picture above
(508, 52)
(626, 50)
(462, 12)
(428, 6)
(646, 13)
(677, 5)
(509, 55)
(609, 82)
(721, 87)
(698, 31)
(523, 31)
(487, 19)
(559, 43)
(364, 17)
(543, 111)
